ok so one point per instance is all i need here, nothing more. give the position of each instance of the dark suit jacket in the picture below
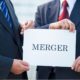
(46, 14)
(10, 44)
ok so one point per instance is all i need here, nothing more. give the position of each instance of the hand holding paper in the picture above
(63, 24)
(27, 25)
(76, 65)
(19, 66)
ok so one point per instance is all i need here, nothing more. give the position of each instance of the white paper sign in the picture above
(47, 47)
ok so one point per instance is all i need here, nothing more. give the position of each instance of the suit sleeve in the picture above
(39, 22)
(5, 67)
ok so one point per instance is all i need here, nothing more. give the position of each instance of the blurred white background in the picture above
(25, 10)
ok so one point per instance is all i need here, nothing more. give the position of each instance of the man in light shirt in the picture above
(48, 16)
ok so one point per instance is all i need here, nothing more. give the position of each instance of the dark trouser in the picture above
(57, 74)
(45, 73)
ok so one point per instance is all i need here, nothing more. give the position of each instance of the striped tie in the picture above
(4, 9)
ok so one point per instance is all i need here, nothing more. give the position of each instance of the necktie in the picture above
(64, 13)
(5, 12)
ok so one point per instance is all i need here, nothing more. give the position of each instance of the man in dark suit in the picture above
(47, 16)
(11, 41)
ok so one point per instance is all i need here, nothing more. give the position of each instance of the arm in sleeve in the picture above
(39, 20)
(5, 67)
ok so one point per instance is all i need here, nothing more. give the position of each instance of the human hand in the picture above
(63, 24)
(19, 67)
(27, 25)
(76, 65)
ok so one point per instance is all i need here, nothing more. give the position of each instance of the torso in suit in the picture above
(10, 44)
(46, 14)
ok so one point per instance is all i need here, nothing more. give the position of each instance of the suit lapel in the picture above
(12, 14)
(14, 21)
(5, 23)
(54, 10)
(75, 15)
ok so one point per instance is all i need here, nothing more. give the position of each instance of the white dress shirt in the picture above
(71, 4)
